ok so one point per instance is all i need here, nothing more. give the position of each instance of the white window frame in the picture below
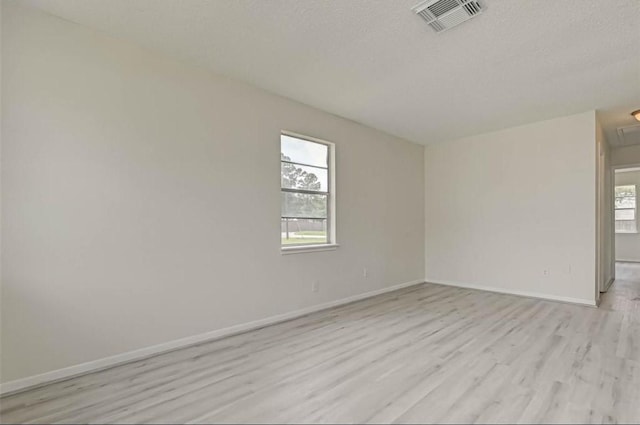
(331, 199)
(635, 208)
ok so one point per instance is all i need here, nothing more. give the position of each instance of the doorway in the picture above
(627, 228)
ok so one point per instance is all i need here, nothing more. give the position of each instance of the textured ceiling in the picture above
(377, 63)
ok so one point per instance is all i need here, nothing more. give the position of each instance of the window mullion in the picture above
(303, 191)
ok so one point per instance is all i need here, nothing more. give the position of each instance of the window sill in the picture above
(286, 250)
(627, 233)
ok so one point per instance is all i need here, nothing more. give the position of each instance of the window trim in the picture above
(301, 249)
(635, 208)
(332, 243)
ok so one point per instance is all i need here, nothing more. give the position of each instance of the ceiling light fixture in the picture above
(636, 114)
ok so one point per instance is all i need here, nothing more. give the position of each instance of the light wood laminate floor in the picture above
(428, 353)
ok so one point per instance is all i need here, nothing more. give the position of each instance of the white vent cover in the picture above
(629, 135)
(442, 15)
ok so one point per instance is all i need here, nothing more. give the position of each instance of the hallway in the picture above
(624, 293)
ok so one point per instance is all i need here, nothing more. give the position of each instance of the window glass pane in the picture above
(625, 226)
(625, 214)
(301, 177)
(625, 196)
(296, 231)
(626, 202)
(304, 205)
(303, 151)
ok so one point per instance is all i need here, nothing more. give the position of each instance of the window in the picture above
(306, 179)
(625, 209)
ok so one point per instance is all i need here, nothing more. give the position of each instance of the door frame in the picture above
(614, 168)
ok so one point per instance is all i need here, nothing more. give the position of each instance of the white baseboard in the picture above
(608, 284)
(107, 362)
(549, 297)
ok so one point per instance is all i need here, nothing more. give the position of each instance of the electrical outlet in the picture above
(315, 286)
(365, 272)
(546, 272)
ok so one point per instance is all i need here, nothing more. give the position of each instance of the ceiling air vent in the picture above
(442, 15)
(629, 135)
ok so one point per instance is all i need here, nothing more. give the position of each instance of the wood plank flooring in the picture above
(429, 353)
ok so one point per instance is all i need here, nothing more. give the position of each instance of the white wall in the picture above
(625, 155)
(628, 244)
(503, 207)
(141, 200)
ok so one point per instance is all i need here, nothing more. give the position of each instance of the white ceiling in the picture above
(377, 63)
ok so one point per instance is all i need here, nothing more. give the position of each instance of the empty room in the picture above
(319, 211)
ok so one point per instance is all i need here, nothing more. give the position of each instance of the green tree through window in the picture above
(304, 205)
